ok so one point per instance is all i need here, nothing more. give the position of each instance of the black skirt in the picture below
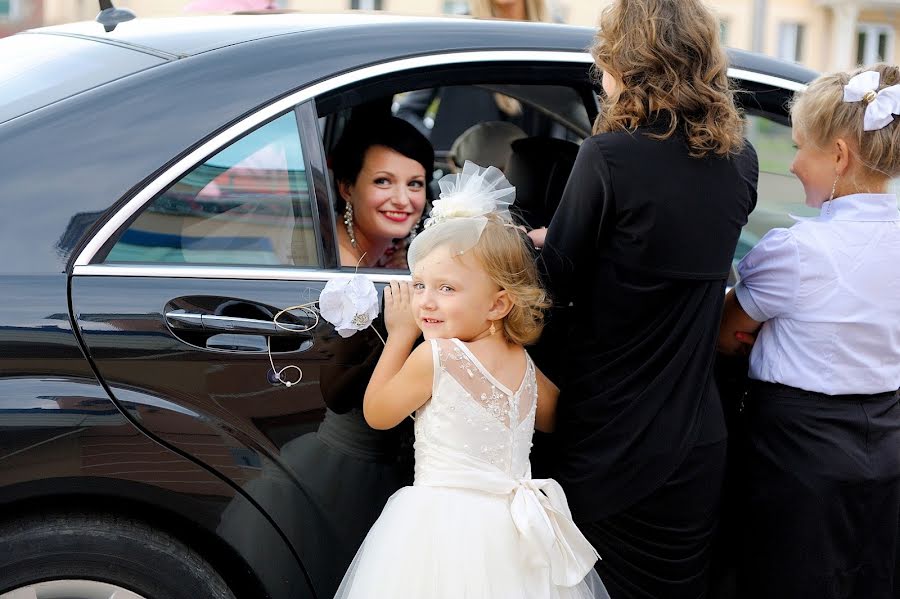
(822, 495)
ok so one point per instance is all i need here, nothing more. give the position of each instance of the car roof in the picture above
(186, 36)
(179, 37)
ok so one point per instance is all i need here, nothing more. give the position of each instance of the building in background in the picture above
(16, 15)
(821, 34)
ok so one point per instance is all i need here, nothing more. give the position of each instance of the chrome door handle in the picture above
(192, 321)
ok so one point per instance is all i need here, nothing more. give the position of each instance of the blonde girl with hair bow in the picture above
(475, 524)
(821, 299)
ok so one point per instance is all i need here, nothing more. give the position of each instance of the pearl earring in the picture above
(348, 222)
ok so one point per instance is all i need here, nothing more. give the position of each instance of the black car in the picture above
(165, 192)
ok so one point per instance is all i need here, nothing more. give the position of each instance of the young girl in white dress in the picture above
(474, 524)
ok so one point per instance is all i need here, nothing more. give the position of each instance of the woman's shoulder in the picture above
(624, 143)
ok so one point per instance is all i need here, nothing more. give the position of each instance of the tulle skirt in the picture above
(450, 543)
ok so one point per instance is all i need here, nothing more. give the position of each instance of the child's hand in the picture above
(398, 314)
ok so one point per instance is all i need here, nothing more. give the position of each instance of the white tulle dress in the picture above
(474, 525)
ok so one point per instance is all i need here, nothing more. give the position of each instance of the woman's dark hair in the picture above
(349, 153)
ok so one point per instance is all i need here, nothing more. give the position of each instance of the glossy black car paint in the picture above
(105, 405)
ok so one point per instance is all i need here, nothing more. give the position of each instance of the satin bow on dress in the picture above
(538, 507)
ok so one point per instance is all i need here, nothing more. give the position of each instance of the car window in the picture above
(780, 192)
(249, 204)
(444, 113)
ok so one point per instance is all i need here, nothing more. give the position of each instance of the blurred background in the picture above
(821, 34)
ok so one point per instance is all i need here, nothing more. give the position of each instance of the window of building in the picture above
(724, 30)
(365, 4)
(249, 204)
(790, 41)
(456, 7)
(9, 10)
(874, 43)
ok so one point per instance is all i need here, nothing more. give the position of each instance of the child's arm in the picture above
(545, 413)
(401, 382)
(737, 331)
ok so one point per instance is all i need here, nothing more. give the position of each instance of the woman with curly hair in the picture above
(638, 253)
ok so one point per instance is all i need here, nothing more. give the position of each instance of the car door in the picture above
(174, 301)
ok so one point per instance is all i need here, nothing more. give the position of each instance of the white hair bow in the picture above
(881, 106)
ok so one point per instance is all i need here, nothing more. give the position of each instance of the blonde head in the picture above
(667, 59)
(821, 116)
(535, 10)
(502, 252)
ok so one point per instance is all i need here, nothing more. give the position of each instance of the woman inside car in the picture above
(382, 169)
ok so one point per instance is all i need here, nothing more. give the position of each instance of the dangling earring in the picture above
(834, 187)
(413, 232)
(348, 222)
(493, 329)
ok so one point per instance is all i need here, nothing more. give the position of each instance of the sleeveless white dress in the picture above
(474, 525)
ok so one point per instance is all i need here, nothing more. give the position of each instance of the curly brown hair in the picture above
(667, 57)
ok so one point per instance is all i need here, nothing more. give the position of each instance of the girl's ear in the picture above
(344, 189)
(842, 156)
(501, 306)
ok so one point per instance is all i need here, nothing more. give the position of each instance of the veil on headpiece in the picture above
(460, 214)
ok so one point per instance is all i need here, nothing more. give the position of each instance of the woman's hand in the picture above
(398, 315)
(537, 236)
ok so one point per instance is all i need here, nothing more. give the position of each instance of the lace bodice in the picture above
(472, 413)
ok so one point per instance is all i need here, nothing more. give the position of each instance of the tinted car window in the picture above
(780, 192)
(247, 205)
(48, 68)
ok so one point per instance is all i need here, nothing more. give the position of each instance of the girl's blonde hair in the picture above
(502, 252)
(668, 58)
(822, 116)
(535, 10)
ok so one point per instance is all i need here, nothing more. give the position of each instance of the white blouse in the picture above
(828, 290)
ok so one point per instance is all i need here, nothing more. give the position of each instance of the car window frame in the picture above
(85, 264)
(103, 256)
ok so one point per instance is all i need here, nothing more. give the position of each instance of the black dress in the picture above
(637, 256)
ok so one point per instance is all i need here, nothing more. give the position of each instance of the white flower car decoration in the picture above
(350, 304)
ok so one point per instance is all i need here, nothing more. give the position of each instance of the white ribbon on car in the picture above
(350, 304)
(881, 106)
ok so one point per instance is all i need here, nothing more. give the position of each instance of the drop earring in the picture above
(834, 187)
(348, 222)
(493, 329)
(414, 231)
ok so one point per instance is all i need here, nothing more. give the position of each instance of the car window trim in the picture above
(83, 264)
(317, 183)
(259, 273)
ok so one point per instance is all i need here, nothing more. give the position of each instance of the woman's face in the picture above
(388, 196)
(815, 167)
